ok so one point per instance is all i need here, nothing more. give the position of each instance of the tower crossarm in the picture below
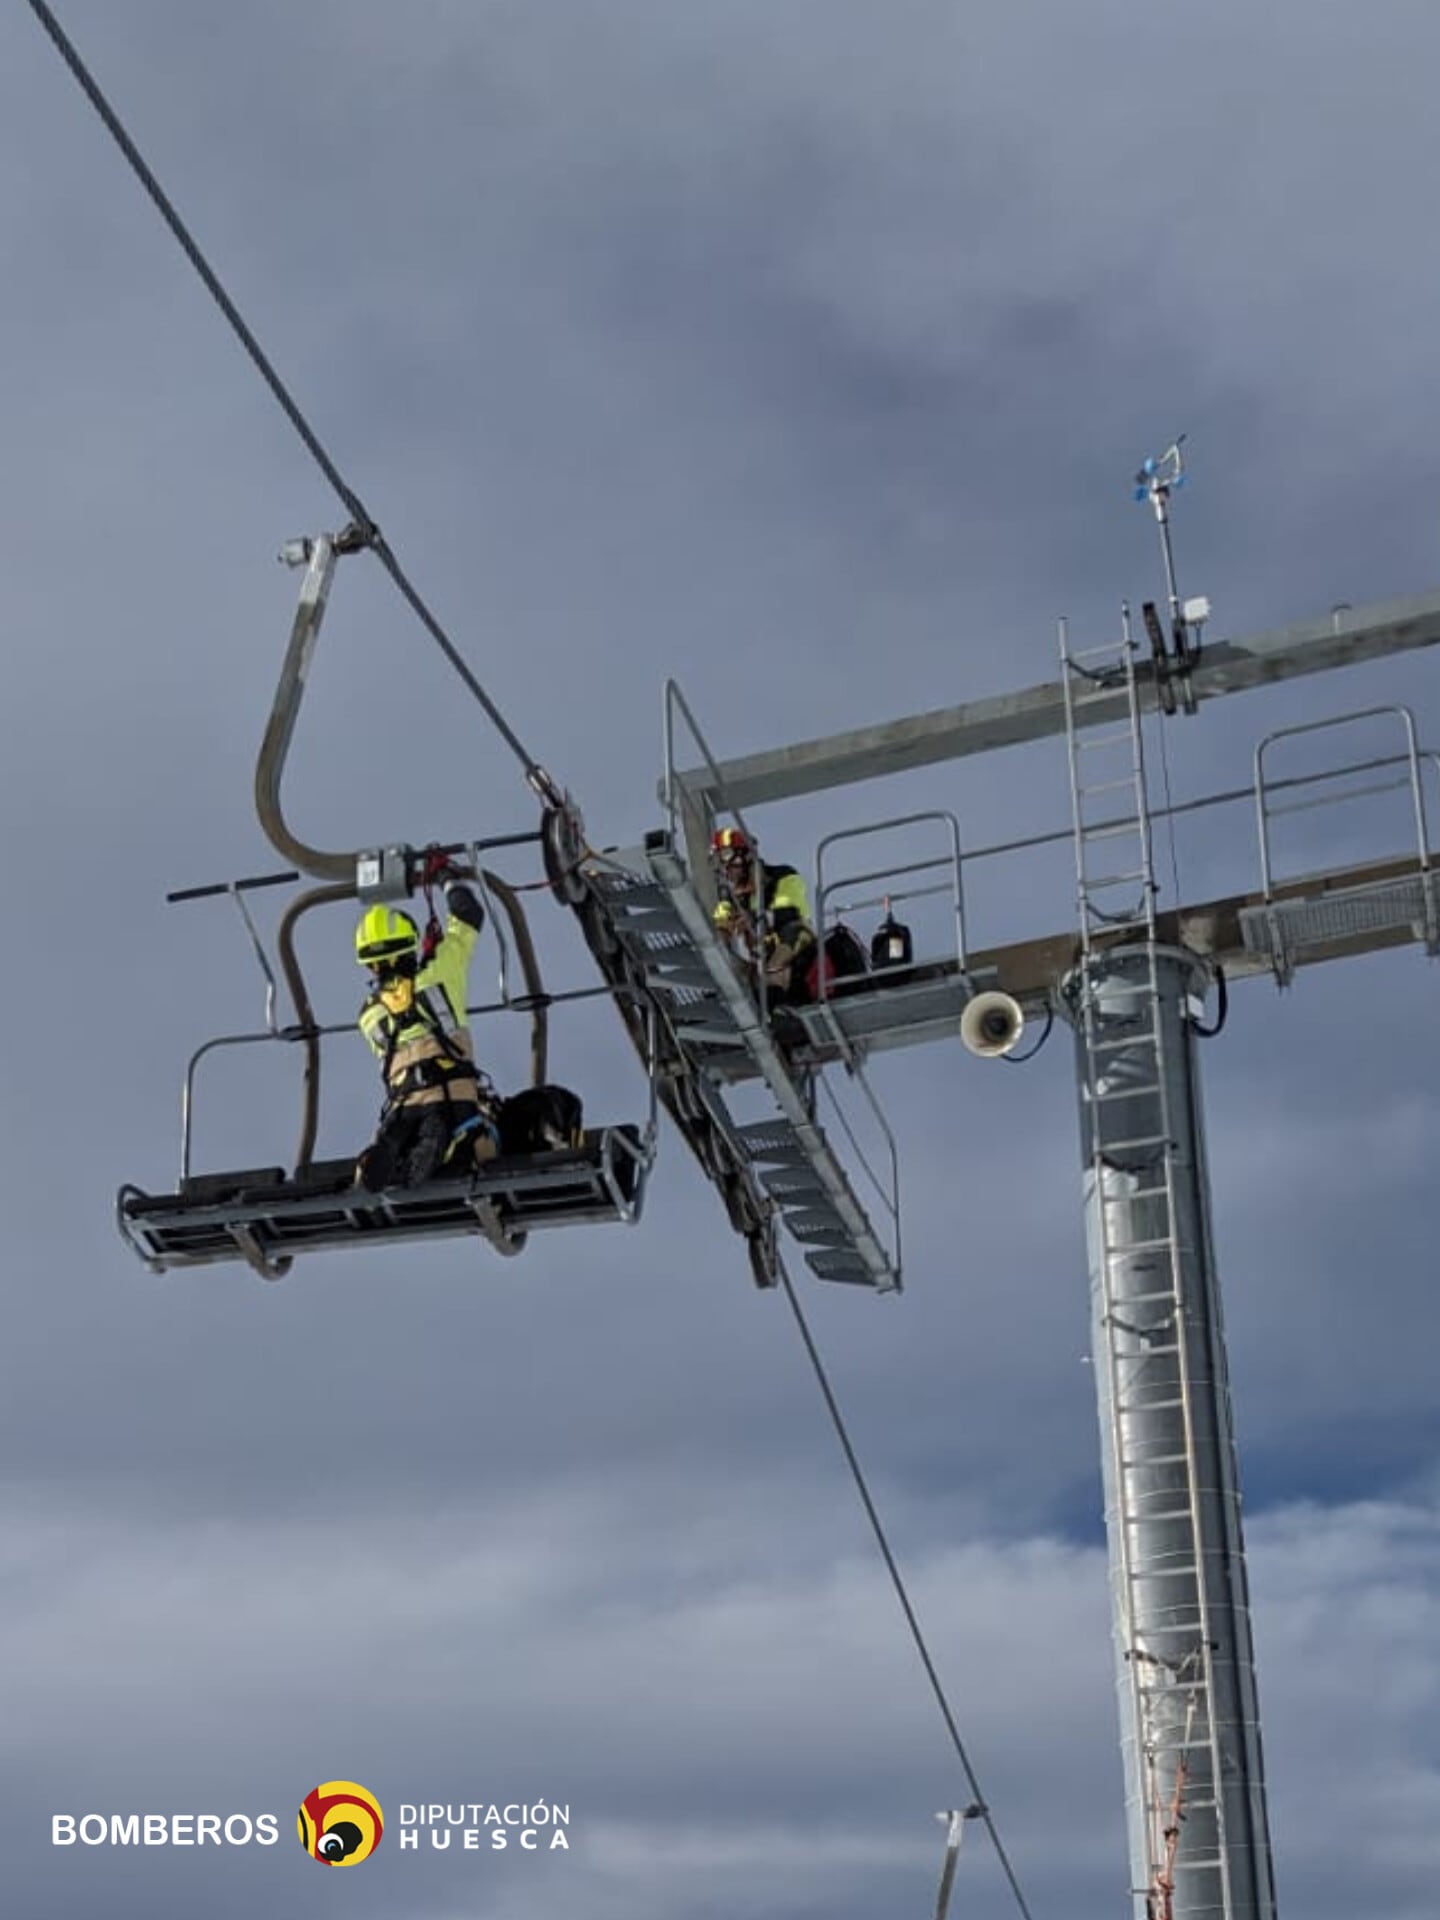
(1347, 637)
(1336, 915)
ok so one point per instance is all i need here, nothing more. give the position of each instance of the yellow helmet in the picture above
(385, 935)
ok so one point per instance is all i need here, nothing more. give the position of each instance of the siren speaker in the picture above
(991, 1024)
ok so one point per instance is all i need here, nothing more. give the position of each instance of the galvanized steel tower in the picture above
(1190, 1735)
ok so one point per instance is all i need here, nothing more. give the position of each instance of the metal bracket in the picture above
(956, 1818)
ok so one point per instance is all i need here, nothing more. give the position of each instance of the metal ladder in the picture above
(1126, 1100)
(654, 913)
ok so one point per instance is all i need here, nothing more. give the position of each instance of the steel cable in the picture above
(539, 781)
(902, 1594)
(535, 774)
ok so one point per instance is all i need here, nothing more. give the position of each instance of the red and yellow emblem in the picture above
(340, 1823)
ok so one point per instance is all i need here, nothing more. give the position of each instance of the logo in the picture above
(340, 1823)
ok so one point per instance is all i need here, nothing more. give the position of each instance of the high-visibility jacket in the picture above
(425, 1052)
(788, 933)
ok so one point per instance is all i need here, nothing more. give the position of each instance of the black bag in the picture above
(541, 1120)
(846, 954)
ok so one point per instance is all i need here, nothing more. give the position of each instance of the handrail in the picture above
(954, 862)
(891, 1200)
(233, 890)
(673, 698)
(310, 1034)
(187, 1095)
(304, 1012)
(1410, 758)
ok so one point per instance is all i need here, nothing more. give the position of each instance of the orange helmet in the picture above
(735, 858)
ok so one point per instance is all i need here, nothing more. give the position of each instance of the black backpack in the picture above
(540, 1120)
(845, 952)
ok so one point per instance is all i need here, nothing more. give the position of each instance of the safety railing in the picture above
(310, 1033)
(1395, 895)
(887, 1193)
(897, 885)
(1410, 760)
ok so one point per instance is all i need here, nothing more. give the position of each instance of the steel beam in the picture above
(1215, 928)
(1345, 638)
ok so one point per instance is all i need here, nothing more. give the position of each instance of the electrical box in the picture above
(383, 873)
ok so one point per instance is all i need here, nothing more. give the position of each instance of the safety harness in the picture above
(444, 1068)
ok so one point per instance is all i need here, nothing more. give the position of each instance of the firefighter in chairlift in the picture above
(791, 952)
(439, 1116)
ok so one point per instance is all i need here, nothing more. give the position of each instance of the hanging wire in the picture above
(1020, 1059)
(897, 1580)
(367, 531)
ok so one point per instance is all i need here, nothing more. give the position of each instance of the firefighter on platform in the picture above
(790, 951)
(439, 1113)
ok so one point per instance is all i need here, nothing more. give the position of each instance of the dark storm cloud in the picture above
(804, 354)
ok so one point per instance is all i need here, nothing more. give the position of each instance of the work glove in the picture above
(464, 906)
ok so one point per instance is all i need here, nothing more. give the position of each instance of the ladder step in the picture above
(1137, 924)
(1159, 1460)
(1140, 1193)
(1141, 1140)
(1113, 650)
(838, 1264)
(1108, 829)
(1116, 879)
(1137, 1039)
(1170, 1243)
(790, 1183)
(817, 1229)
(1088, 791)
(643, 896)
(1124, 1093)
(662, 971)
(1117, 736)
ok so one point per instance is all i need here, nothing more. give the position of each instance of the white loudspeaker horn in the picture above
(991, 1024)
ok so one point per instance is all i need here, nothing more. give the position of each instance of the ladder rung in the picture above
(1110, 829)
(1137, 1039)
(1140, 1193)
(1116, 650)
(1119, 922)
(1117, 879)
(1114, 738)
(1150, 1406)
(1126, 1093)
(1106, 786)
(1159, 1460)
(1170, 1241)
(1140, 1140)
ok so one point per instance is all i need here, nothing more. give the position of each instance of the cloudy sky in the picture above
(801, 351)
